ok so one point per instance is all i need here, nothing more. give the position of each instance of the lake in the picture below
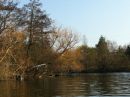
(76, 85)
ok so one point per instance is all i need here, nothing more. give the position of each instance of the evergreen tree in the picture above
(103, 52)
(127, 52)
(34, 21)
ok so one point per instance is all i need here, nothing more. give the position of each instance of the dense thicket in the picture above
(31, 47)
(106, 56)
(29, 44)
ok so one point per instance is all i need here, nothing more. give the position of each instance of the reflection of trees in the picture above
(13, 89)
(71, 86)
(60, 86)
(81, 85)
(90, 84)
(105, 82)
(102, 84)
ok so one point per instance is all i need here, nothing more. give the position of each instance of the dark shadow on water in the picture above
(117, 84)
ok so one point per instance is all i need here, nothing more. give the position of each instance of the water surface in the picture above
(81, 85)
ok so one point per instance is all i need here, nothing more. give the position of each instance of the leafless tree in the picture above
(6, 11)
(63, 40)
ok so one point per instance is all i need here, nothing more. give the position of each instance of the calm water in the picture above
(83, 85)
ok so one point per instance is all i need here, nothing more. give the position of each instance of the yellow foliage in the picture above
(68, 62)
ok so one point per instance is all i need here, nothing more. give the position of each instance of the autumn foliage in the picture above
(31, 47)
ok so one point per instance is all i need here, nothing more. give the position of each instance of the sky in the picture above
(92, 18)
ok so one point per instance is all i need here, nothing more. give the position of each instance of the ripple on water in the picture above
(83, 85)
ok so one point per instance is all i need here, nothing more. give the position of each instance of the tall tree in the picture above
(127, 52)
(35, 22)
(102, 51)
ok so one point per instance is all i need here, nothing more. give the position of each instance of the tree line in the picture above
(106, 56)
(31, 46)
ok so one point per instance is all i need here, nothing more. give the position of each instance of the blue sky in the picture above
(93, 18)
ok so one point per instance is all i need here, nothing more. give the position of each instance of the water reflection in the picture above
(117, 84)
